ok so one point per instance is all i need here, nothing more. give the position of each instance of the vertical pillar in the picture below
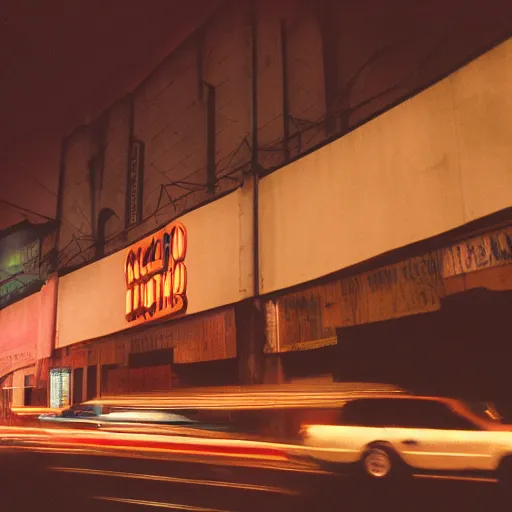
(71, 386)
(98, 381)
(84, 381)
(18, 384)
(250, 340)
(329, 32)
(273, 369)
(249, 317)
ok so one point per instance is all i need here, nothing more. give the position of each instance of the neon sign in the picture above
(156, 275)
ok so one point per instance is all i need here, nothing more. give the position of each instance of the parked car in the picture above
(389, 436)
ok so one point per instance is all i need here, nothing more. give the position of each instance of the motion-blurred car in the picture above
(80, 413)
(396, 435)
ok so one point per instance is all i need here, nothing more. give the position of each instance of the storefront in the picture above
(159, 314)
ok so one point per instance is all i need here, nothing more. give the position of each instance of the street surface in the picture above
(83, 482)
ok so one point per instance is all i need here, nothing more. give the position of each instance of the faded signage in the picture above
(410, 287)
(135, 181)
(156, 275)
(16, 360)
(487, 251)
(208, 338)
(295, 322)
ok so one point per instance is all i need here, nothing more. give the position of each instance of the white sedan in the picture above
(387, 436)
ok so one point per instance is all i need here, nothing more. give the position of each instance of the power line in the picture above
(26, 210)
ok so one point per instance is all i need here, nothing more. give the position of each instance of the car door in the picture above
(430, 435)
(359, 424)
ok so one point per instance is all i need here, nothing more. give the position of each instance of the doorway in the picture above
(78, 385)
(92, 383)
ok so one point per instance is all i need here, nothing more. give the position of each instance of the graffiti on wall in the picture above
(295, 322)
(412, 286)
(491, 250)
(156, 275)
(406, 288)
(209, 337)
(16, 360)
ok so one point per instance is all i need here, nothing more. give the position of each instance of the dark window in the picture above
(404, 413)
(365, 413)
(78, 375)
(428, 414)
(29, 385)
(92, 374)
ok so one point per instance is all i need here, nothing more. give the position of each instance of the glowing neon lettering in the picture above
(156, 275)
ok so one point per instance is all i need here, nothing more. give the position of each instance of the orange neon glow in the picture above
(178, 244)
(129, 300)
(150, 293)
(180, 279)
(167, 286)
(156, 275)
(158, 288)
(136, 297)
(136, 267)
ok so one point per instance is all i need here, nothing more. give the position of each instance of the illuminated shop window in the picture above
(59, 387)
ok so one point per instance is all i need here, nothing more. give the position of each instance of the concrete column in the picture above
(84, 383)
(273, 371)
(71, 386)
(250, 339)
(249, 317)
(98, 380)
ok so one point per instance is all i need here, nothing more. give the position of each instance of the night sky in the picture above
(61, 63)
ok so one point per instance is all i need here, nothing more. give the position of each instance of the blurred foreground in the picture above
(103, 479)
(245, 450)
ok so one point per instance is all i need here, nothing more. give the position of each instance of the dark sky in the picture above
(61, 63)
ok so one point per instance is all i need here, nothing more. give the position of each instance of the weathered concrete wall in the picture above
(322, 68)
(431, 164)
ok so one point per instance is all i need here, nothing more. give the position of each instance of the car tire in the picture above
(380, 462)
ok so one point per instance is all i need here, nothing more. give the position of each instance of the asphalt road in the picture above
(104, 483)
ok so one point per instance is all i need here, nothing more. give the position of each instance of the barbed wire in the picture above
(302, 127)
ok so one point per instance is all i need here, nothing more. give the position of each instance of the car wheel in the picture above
(381, 463)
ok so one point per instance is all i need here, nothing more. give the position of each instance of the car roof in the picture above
(156, 416)
(250, 397)
(426, 398)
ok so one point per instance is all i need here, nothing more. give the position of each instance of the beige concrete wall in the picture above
(110, 135)
(112, 193)
(436, 161)
(76, 218)
(169, 116)
(91, 301)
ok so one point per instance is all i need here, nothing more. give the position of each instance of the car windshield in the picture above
(484, 410)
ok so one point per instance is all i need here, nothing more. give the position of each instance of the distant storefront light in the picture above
(59, 387)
